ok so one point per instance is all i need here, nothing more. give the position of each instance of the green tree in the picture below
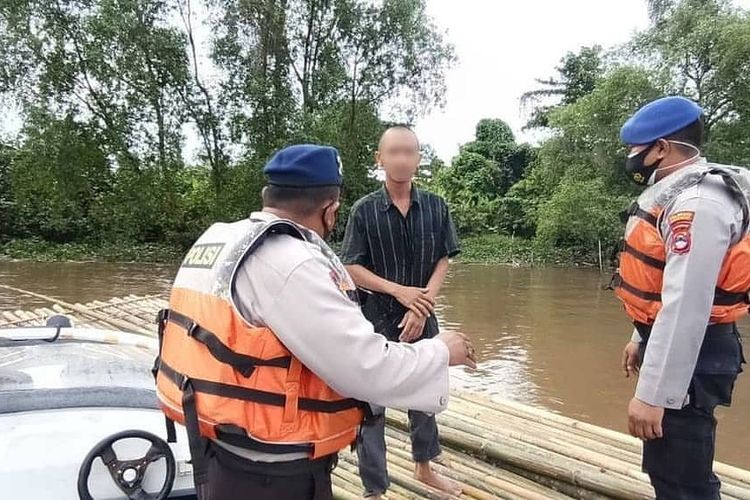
(121, 79)
(481, 174)
(7, 206)
(580, 214)
(578, 74)
(58, 177)
(701, 46)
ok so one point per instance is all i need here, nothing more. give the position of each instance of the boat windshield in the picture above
(51, 373)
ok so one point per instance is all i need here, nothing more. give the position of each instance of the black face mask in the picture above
(640, 173)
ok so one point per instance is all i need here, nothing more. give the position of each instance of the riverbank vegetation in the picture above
(568, 193)
(134, 136)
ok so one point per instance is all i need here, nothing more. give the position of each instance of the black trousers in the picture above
(371, 449)
(680, 465)
(233, 478)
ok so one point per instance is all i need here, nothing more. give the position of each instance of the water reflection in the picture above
(554, 337)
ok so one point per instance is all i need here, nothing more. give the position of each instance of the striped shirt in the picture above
(401, 249)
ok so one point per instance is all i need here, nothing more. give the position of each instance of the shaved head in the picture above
(397, 131)
(398, 154)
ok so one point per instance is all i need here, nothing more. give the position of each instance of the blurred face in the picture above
(398, 154)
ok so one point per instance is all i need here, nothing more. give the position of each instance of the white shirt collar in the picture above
(263, 216)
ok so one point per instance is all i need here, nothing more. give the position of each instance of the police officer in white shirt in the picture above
(298, 289)
(684, 278)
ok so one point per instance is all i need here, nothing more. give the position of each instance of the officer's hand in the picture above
(415, 299)
(644, 420)
(460, 347)
(412, 325)
(631, 359)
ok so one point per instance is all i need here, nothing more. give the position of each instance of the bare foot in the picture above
(373, 497)
(424, 473)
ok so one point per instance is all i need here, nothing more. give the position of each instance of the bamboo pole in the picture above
(136, 309)
(116, 312)
(552, 440)
(553, 419)
(583, 455)
(620, 441)
(403, 478)
(77, 308)
(341, 494)
(12, 319)
(474, 485)
(517, 440)
(544, 462)
(398, 442)
(395, 459)
(605, 461)
(493, 420)
(81, 321)
(348, 464)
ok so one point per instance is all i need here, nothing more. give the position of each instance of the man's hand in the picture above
(631, 359)
(412, 325)
(461, 349)
(415, 299)
(644, 420)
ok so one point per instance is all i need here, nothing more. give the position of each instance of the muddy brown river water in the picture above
(549, 337)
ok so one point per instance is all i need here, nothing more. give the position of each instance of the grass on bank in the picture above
(486, 249)
(45, 251)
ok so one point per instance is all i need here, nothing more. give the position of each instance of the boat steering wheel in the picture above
(128, 474)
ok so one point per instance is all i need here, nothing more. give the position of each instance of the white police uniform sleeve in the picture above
(296, 297)
(694, 257)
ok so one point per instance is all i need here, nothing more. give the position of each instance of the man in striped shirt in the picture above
(397, 244)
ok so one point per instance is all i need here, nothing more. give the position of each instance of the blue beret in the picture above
(659, 119)
(304, 165)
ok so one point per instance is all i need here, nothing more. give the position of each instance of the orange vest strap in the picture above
(240, 362)
(721, 297)
(255, 395)
(724, 298)
(637, 211)
(645, 258)
(198, 444)
(236, 436)
(291, 391)
(736, 191)
(618, 282)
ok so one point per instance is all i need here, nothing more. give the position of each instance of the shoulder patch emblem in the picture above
(344, 285)
(680, 224)
(681, 218)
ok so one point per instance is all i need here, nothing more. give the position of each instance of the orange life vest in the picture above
(638, 281)
(227, 379)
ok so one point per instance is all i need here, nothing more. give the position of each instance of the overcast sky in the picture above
(503, 45)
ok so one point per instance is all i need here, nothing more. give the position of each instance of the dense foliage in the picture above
(568, 192)
(111, 92)
(108, 90)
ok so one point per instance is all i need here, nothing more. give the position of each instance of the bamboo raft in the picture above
(494, 448)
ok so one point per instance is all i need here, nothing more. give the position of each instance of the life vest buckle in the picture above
(162, 316)
(192, 328)
(614, 282)
(629, 212)
(183, 381)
